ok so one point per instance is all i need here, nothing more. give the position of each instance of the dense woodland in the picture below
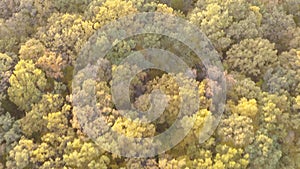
(259, 45)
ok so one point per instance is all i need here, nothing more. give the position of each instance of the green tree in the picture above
(275, 23)
(285, 78)
(6, 64)
(252, 57)
(69, 6)
(33, 124)
(103, 13)
(10, 133)
(213, 14)
(236, 130)
(16, 30)
(83, 154)
(19, 156)
(8, 7)
(33, 49)
(264, 152)
(65, 34)
(230, 157)
(243, 87)
(292, 8)
(168, 162)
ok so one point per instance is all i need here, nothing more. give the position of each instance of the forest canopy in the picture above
(44, 126)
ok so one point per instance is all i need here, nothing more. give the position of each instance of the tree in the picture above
(70, 6)
(145, 163)
(246, 107)
(108, 11)
(230, 157)
(285, 78)
(45, 151)
(52, 64)
(83, 154)
(16, 30)
(168, 162)
(275, 22)
(227, 22)
(213, 14)
(252, 57)
(6, 63)
(65, 34)
(264, 152)
(27, 85)
(282, 81)
(7, 8)
(56, 118)
(248, 27)
(236, 130)
(10, 133)
(292, 8)
(33, 49)
(243, 87)
(8, 41)
(19, 156)
(33, 124)
(180, 5)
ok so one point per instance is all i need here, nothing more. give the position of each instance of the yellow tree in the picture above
(27, 84)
